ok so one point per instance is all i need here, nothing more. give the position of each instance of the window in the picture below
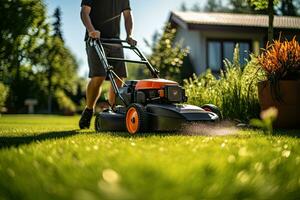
(218, 50)
(214, 55)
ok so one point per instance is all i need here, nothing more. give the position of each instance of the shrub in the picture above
(65, 104)
(234, 92)
(3, 95)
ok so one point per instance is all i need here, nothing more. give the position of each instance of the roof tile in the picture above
(233, 19)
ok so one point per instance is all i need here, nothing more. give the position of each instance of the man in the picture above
(102, 19)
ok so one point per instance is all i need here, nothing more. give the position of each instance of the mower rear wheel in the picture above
(98, 127)
(212, 108)
(136, 119)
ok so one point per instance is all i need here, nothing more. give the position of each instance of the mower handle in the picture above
(135, 49)
(112, 40)
(108, 40)
(97, 44)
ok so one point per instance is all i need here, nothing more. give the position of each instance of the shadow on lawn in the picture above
(287, 133)
(7, 142)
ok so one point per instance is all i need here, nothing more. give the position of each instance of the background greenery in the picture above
(34, 59)
(234, 91)
(283, 7)
(35, 62)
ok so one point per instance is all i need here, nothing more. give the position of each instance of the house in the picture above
(211, 37)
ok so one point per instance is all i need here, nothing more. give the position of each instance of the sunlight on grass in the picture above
(50, 156)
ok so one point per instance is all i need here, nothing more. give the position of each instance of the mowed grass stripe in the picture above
(73, 164)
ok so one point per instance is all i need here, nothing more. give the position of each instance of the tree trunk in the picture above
(50, 94)
(271, 21)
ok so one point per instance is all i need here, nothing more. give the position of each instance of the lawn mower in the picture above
(148, 105)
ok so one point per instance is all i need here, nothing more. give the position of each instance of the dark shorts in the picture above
(95, 66)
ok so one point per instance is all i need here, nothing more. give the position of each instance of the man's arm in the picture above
(129, 27)
(86, 20)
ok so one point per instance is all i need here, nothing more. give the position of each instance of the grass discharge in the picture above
(46, 157)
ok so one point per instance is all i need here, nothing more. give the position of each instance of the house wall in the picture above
(192, 40)
(196, 41)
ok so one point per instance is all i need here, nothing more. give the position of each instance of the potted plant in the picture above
(280, 62)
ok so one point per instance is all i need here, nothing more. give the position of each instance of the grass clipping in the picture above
(207, 129)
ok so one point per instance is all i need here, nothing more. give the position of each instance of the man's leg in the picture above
(93, 91)
(92, 94)
(112, 95)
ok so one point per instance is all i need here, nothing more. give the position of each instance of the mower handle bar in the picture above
(97, 44)
(107, 40)
(112, 40)
(135, 49)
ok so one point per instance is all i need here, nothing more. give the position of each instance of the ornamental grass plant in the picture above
(280, 61)
(234, 91)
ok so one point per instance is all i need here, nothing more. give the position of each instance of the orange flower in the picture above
(282, 58)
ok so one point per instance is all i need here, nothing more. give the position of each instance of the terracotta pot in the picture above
(288, 108)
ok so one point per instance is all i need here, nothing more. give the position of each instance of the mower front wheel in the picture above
(212, 108)
(136, 119)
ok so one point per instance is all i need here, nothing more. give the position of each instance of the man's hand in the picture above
(131, 41)
(95, 34)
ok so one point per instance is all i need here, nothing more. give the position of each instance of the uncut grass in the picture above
(70, 165)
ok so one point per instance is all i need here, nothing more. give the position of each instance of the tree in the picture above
(269, 4)
(3, 95)
(271, 20)
(19, 35)
(243, 6)
(57, 24)
(30, 51)
(168, 56)
(183, 7)
(59, 71)
(54, 50)
(288, 8)
(214, 6)
(196, 8)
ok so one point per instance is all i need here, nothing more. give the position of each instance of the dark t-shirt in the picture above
(106, 15)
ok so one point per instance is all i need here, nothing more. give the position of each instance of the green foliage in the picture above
(168, 55)
(234, 92)
(231, 6)
(244, 6)
(64, 102)
(282, 7)
(137, 72)
(267, 119)
(22, 23)
(3, 95)
(262, 4)
(290, 7)
(57, 23)
(214, 6)
(46, 157)
(35, 59)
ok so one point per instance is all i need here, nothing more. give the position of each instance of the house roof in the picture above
(190, 20)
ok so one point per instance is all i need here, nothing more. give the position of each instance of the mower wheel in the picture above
(136, 119)
(98, 127)
(212, 108)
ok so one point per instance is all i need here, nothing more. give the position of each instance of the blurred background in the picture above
(43, 66)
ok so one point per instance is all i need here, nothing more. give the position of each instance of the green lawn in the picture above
(46, 157)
